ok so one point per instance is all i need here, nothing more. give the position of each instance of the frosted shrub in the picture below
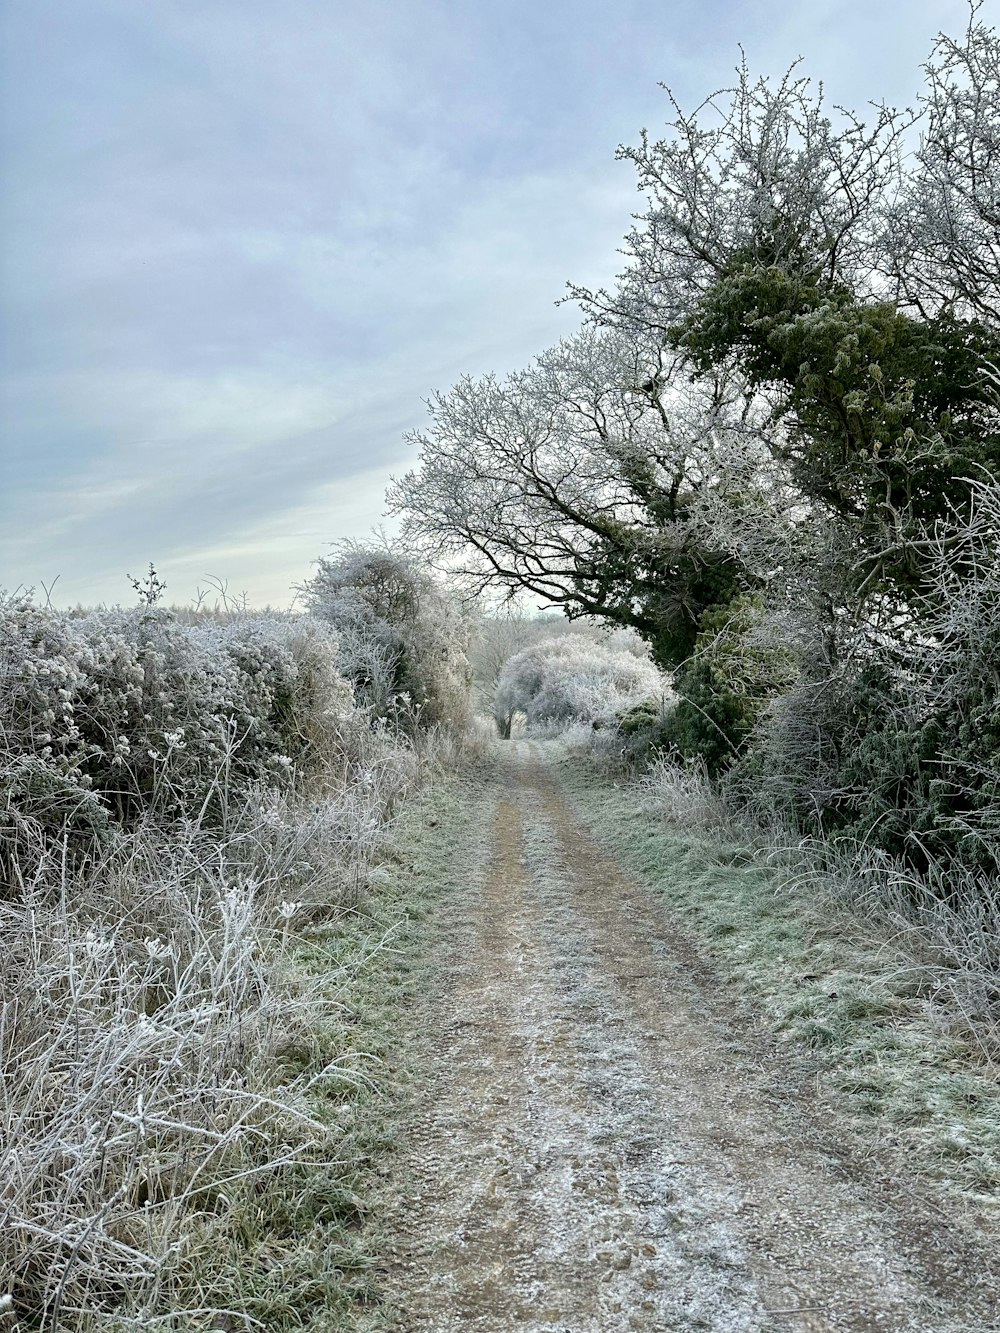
(119, 713)
(496, 637)
(565, 680)
(177, 800)
(402, 638)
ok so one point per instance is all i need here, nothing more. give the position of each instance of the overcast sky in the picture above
(243, 239)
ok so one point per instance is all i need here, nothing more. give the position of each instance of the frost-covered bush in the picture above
(640, 735)
(145, 1104)
(497, 636)
(117, 714)
(565, 680)
(738, 668)
(177, 797)
(402, 638)
(898, 748)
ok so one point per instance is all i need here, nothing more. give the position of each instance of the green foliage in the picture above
(883, 419)
(921, 785)
(886, 794)
(886, 416)
(678, 588)
(878, 757)
(724, 685)
(709, 721)
(644, 732)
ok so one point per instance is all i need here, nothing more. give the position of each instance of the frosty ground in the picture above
(601, 1135)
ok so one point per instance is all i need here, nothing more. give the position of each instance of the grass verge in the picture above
(233, 1201)
(317, 1249)
(859, 1009)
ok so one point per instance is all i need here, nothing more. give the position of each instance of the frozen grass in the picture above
(680, 794)
(147, 1119)
(194, 1099)
(947, 921)
(424, 870)
(873, 1009)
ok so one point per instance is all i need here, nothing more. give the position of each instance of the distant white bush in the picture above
(565, 680)
(497, 636)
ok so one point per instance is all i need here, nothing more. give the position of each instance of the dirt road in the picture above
(603, 1144)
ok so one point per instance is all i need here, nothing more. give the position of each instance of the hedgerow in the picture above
(180, 796)
(119, 714)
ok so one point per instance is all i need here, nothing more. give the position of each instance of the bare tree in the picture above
(576, 481)
(943, 236)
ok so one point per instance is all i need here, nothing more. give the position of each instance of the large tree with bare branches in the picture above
(831, 297)
(786, 394)
(581, 480)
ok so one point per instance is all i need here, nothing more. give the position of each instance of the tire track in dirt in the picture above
(598, 1146)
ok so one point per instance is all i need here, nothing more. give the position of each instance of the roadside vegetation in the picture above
(872, 1007)
(771, 452)
(190, 804)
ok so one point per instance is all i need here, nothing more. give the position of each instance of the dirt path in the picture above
(600, 1147)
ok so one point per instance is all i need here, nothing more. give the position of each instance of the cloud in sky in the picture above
(243, 240)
